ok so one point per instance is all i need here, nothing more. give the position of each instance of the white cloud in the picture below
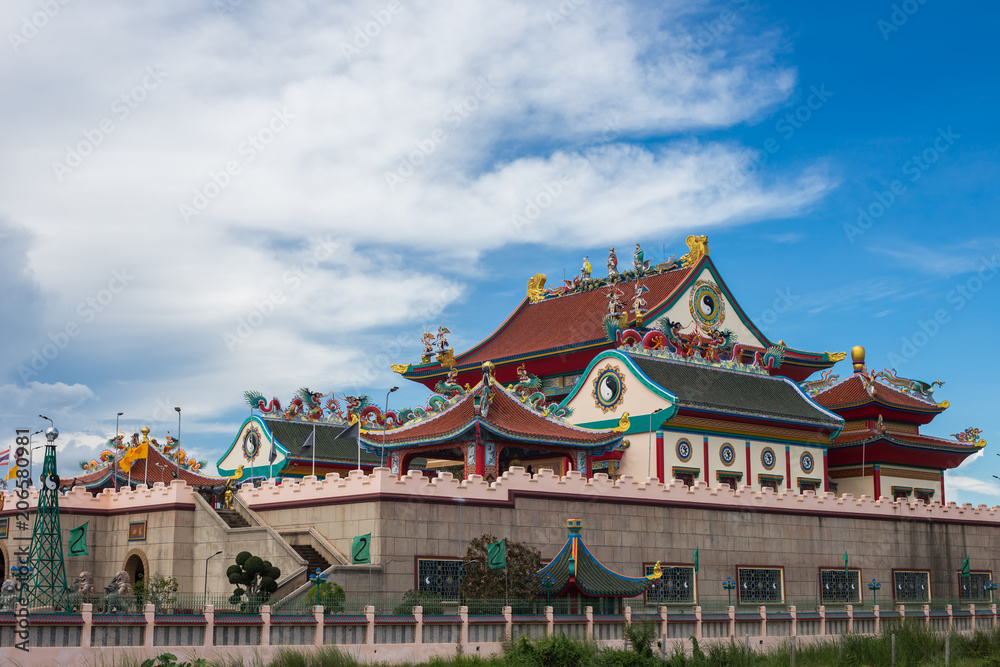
(971, 484)
(492, 100)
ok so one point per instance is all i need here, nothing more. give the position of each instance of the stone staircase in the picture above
(314, 558)
(233, 518)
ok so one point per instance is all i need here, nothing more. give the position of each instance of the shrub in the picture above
(431, 602)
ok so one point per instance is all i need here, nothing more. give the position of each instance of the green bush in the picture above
(331, 596)
(431, 602)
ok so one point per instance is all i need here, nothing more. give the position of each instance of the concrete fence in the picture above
(74, 639)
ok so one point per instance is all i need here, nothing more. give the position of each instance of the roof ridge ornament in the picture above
(697, 248)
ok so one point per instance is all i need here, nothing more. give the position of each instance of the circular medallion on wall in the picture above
(251, 443)
(684, 450)
(767, 458)
(609, 389)
(806, 461)
(727, 454)
(706, 304)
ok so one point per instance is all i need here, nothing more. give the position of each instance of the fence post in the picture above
(589, 613)
(463, 613)
(663, 623)
(927, 617)
(993, 608)
(822, 620)
(902, 613)
(849, 608)
(746, 648)
(972, 621)
(418, 631)
(87, 612)
(265, 629)
(550, 625)
(370, 629)
(947, 650)
(878, 618)
(951, 617)
(508, 617)
(793, 612)
(731, 611)
(763, 621)
(150, 614)
(894, 649)
(320, 617)
(793, 650)
(697, 622)
(209, 626)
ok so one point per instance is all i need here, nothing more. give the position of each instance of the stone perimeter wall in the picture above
(628, 523)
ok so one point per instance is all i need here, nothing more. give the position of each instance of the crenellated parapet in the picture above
(415, 487)
(141, 499)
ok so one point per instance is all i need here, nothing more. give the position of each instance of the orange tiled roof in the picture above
(507, 417)
(161, 469)
(851, 392)
(567, 320)
(849, 438)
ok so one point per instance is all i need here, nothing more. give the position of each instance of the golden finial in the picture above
(536, 287)
(623, 424)
(858, 357)
(697, 247)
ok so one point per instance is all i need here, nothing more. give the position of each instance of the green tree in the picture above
(158, 589)
(480, 582)
(256, 579)
(431, 602)
(331, 596)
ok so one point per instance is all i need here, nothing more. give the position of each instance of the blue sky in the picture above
(199, 200)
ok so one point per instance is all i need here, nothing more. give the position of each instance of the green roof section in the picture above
(329, 448)
(575, 567)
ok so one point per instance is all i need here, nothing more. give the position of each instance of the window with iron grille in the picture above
(839, 587)
(975, 587)
(443, 577)
(911, 585)
(675, 586)
(760, 585)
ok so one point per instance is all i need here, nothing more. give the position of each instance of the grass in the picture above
(915, 647)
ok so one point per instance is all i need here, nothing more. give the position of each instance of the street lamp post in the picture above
(989, 588)
(206, 571)
(114, 443)
(385, 424)
(729, 585)
(649, 453)
(317, 578)
(874, 587)
(177, 473)
(31, 456)
(547, 581)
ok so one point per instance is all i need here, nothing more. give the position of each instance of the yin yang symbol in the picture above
(707, 305)
(608, 388)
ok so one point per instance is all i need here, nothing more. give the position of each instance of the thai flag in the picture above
(5, 456)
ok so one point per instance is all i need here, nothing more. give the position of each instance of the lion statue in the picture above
(8, 595)
(118, 596)
(81, 591)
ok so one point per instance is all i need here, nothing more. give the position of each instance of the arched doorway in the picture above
(135, 567)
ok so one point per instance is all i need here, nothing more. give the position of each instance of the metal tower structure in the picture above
(48, 581)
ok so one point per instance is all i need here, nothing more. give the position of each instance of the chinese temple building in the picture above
(576, 573)
(143, 462)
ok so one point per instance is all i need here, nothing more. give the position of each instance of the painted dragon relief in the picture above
(309, 406)
(528, 389)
